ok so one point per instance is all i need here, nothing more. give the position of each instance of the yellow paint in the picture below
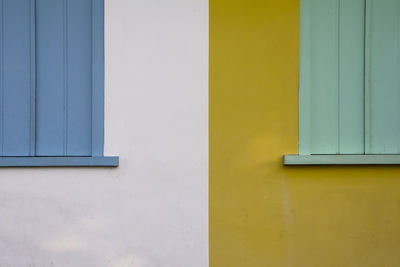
(265, 214)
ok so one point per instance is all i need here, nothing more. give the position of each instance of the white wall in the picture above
(153, 209)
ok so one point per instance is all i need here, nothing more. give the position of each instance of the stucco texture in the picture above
(262, 213)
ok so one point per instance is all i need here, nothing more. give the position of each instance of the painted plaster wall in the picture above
(264, 214)
(152, 210)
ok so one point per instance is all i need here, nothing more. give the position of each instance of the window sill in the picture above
(59, 161)
(341, 160)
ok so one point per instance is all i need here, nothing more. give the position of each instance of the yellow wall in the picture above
(264, 214)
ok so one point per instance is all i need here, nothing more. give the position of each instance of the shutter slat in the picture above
(51, 78)
(331, 77)
(64, 58)
(324, 77)
(382, 108)
(79, 108)
(98, 78)
(351, 77)
(16, 78)
(318, 81)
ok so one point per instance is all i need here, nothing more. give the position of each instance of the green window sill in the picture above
(59, 161)
(341, 160)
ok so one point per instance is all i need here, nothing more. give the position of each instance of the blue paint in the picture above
(59, 161)
(98, 78)
(52, 78)
(64, 60)
(15, 78)
(50, 50)
(32, 137)
(79, 94)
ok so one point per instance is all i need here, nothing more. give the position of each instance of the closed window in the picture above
(52, 82)
(349, 77)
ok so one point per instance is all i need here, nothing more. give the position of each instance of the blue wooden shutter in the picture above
(51, 77)
(64, 77)
(332, 77)
(17, 77)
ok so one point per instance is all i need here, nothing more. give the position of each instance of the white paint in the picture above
(153, 209)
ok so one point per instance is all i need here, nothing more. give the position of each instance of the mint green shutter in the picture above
(382, 91)
(332, 77)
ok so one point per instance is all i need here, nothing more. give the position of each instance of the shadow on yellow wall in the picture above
(265, 214)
